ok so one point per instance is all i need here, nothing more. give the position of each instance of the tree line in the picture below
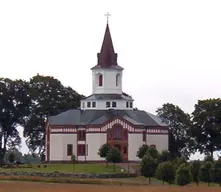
(167, 168)
(27, 104)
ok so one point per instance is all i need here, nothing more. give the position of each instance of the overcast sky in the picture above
(171, 50)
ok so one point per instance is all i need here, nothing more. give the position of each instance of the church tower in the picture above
(107, 81)
(107, 74)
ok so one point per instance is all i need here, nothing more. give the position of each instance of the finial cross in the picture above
(107, 15)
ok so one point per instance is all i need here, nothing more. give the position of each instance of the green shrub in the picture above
(142, 151)
(148, 167)
(195, 169)
(183, 175)
(216, 172)
(166, 172)
(205, 172)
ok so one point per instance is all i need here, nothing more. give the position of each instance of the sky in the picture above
(170, 50)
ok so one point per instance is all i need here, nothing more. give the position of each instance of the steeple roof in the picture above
(107, 57)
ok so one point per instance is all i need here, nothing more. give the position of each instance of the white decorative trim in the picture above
(117, 121)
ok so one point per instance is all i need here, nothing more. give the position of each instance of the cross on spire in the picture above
(107, 15)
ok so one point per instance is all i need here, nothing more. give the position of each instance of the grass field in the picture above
(67, 168)
(47, 187)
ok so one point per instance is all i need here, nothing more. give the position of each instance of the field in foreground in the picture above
(68, 168)
(47, 187)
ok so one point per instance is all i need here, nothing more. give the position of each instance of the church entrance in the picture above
(117, 137)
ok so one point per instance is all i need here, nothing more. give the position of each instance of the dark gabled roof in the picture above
(85, 117)
(107, 58)
(122, 96)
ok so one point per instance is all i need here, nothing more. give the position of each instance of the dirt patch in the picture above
(47, 187)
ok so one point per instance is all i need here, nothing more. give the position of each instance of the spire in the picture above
(107, 57)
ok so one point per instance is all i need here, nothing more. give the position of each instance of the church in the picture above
(106, 116)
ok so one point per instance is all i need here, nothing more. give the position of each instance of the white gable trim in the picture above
(117, 121)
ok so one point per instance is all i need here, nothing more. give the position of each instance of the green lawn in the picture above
(67, 168)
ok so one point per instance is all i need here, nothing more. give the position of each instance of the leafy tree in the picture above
(209, 158)
(166, 172)
(11, 157)
(14, 142)
(142, 151)
(178, 161)
(206, 129)
(205, 172)
(17, 155)
(183, 175)
(148, 166)
(216, 172)
(73, 160)
(103, 151)
(152, 151)
(195, 169)
(14, 108)
(114, 156)
(165, 156)
(49, 97)
(179, 126)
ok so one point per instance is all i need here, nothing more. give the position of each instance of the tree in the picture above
(148, 166)
(73, 160)
(179, 126)
(142, 151)
(207, 125)
(11, 158)
(165, 156)
(152, 151)
(195, 169)
(178, 161)
(114, 156)
(166, 172)
(183, 175)
(205, 172)
(209, 158)
(14, 142)
(14, 108)
(216, 172)
(48, 97)
(103, 151)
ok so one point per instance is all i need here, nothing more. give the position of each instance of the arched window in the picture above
(117, 133)
(117, 80)
(100, 80)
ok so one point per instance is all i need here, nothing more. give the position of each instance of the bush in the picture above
(205, 172)
(114, 156)
(178, 161)
(148, 167)
(166, 172)
(142, 151)
(165, 156)
(195, 169)
(216, 172)
(152, 151)
(183, 175)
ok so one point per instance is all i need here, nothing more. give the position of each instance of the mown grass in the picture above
(66, 168)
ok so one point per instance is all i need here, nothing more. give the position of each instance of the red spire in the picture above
(107, 57)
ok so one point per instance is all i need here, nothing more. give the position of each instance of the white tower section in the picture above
(107, 81)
